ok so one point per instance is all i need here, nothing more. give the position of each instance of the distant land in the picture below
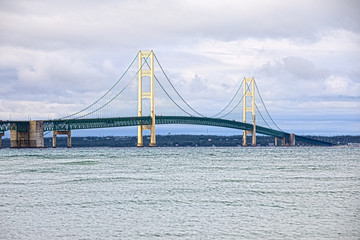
(182, 141)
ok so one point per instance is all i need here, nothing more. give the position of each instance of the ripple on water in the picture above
(86, 162)
(180, 193)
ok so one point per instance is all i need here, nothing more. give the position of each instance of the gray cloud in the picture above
(67, 53)
(303, 68)
(85, 24)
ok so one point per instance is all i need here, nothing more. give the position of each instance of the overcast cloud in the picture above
(58, 56)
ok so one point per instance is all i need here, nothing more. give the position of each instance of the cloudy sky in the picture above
(58, 56)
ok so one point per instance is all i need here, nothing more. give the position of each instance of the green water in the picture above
(180, 193)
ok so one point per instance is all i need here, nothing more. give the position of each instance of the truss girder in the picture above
(73, 124)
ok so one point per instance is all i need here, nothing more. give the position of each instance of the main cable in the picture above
(171, 97)
(248, 88)
(175, 88)
(128, 84)
(230, 101)
(266, 108)
(157, 80)
(262, 116)
(105, 93)
(107, 103)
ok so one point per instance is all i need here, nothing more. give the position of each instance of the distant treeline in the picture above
(181, 141)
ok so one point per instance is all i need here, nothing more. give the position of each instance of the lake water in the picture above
(180, 193)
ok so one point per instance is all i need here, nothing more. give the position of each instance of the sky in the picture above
(57, 57)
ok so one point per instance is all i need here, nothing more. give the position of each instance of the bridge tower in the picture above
(249, 92)
(142, 95)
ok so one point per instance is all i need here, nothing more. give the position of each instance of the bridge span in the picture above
(31, 133)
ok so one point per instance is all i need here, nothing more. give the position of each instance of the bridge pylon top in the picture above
(146, 53)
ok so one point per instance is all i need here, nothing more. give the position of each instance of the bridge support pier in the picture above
(1, 135)
(27, 134)
(286, 141)
(291, 140)
(68, 133)
(283, 141)
(277, 140)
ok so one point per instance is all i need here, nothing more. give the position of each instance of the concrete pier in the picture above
(36, 134)
(19, 135)
(276, 141)
(68, 133)
(282, 141)
(27, 135)
(1, 135)
(292, 139)
(286, 141)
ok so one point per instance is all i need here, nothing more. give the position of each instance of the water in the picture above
(180, 193)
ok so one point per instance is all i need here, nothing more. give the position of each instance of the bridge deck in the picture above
(74, 124)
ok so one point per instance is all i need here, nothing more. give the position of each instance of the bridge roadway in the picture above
(75, 124)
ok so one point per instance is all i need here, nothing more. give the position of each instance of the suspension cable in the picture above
(128, 84)
(266, 108)
(236, 104)
(230, 101)
(107, 103)
(171, 97)
(248, 88)
(262, 116)
(175, 88)
(105, 93)
(109, 91)
(169, 94)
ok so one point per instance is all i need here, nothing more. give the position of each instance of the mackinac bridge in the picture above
(145, 96)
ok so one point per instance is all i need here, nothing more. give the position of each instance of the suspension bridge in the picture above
(117, 108)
